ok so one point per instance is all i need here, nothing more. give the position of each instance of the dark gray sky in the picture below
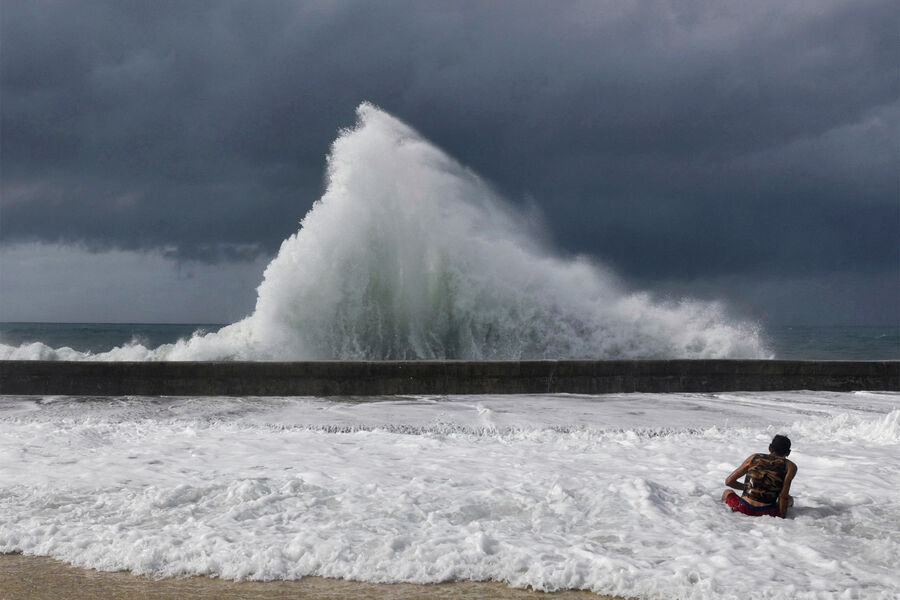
(740, 150)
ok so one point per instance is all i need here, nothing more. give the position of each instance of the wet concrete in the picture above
(349, 378)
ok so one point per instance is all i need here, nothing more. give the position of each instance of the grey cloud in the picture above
(675, 140)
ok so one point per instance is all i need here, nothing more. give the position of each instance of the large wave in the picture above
(409, 255)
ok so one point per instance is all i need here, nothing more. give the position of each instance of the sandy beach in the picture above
(38, 578)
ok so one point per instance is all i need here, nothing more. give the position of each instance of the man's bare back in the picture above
(768, 483)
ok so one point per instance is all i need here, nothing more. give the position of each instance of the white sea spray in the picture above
(409, 255)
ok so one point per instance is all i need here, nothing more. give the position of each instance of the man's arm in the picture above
(786, 488)
(732, 480)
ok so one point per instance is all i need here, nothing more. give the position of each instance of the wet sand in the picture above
(40, 578)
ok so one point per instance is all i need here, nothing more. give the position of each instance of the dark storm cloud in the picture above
(678, 140)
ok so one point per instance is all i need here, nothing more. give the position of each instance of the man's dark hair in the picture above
(781, 445)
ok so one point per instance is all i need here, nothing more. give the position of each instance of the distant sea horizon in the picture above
(788, 342)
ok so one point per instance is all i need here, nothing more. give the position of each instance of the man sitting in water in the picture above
(768, 482)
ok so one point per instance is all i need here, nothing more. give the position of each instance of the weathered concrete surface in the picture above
(327, 378)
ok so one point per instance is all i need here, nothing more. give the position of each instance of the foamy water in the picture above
(409, 255)
(618, 494)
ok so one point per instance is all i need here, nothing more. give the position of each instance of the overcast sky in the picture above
(153, 155)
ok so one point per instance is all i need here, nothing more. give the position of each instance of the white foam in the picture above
(409, 255)
(616, 494)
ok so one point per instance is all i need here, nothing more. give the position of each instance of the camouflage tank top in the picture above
(765, 478)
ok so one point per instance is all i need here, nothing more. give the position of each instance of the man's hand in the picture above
(732, 480)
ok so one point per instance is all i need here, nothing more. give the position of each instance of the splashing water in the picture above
(409, 255)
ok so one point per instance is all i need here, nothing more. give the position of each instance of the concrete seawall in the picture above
(348, 378)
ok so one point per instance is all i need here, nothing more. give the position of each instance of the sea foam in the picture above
(409, 255)
(618, 494)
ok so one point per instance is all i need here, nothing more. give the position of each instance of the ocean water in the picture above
(40, 340)
(835, 343)
(94, 338)
(618, 494)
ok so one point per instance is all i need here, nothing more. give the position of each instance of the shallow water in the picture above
(616, 494)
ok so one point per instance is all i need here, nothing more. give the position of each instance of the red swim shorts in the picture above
(739, 505)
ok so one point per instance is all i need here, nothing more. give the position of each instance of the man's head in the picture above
(780, 445)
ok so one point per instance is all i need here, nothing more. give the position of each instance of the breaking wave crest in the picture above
(409, 255)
